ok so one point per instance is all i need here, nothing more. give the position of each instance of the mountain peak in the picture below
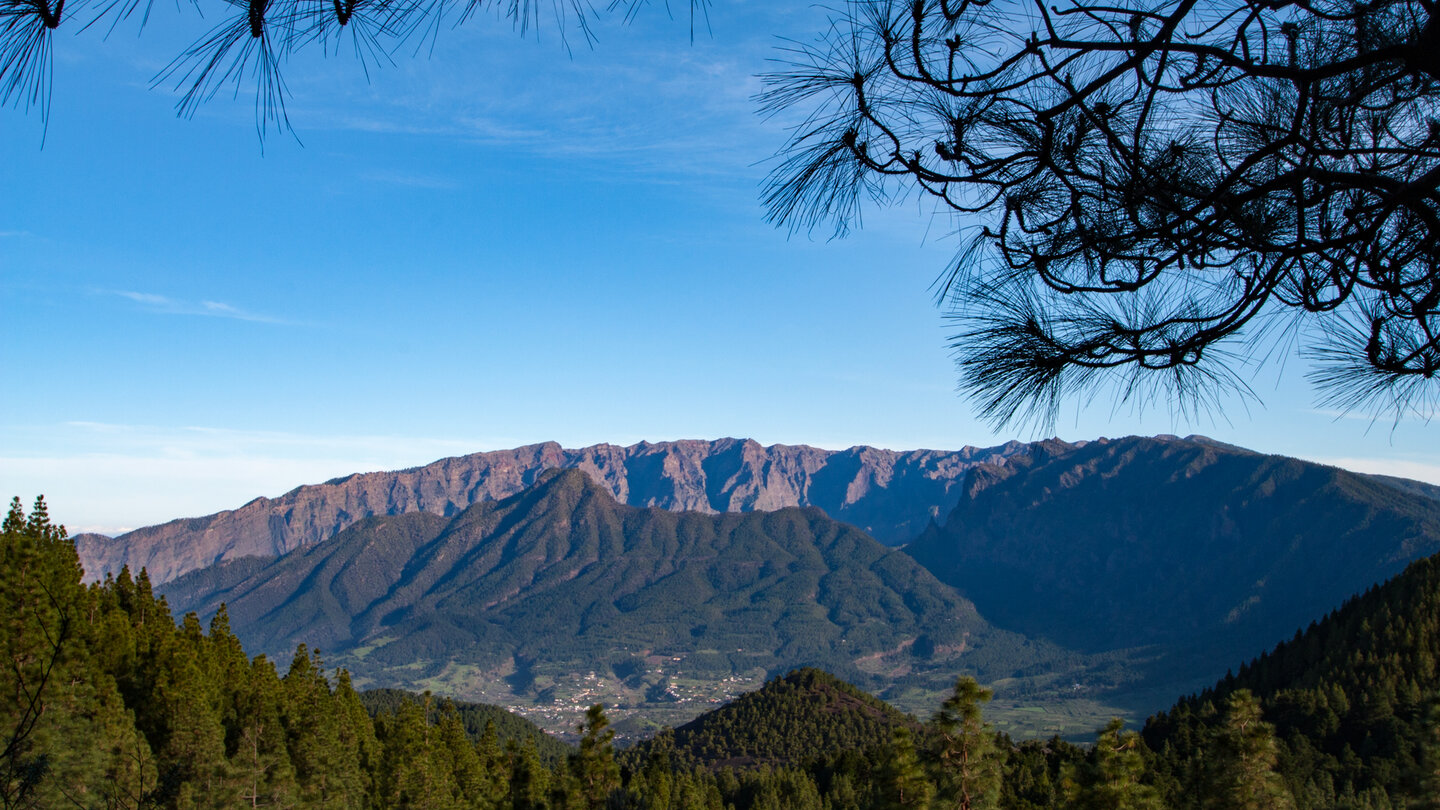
(1168, 541)
(566, 485)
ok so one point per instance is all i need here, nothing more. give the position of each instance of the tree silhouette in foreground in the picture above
(1171, 191)
(252, 39)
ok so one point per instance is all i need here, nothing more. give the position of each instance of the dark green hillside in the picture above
(475, 717)
(520, 599)
(1209, 552)
(274, 600)
(1354, 700)
(791, 720)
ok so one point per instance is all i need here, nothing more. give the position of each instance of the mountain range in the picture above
(1087, 578)
(515, 598)
(892, 495)
(128, 706)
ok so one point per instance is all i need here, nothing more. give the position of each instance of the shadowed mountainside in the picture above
(1211, 552)
(892, 495)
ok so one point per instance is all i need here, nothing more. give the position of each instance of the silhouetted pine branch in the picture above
(1150, 186)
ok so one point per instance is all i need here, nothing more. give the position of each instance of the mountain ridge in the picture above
(890, 494)
(1144, 541)
(1138, 565)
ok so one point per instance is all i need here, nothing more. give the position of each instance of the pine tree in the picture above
(261, 774)
(1426, 795)
(327, 772)
(131, 779)
(52, 696)
(968, 759)
(495, 769)
(901, 783)
(1240, 761)
(653, 787)
(1110, 777)
(460, 755)
(357, 744)
(530, 782)
(417, 769)
(183, 718)
(36, 636)
(593, 767)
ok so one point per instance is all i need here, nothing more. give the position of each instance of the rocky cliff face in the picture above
(892, 495)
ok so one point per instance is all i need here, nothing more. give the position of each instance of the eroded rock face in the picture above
(892, 495)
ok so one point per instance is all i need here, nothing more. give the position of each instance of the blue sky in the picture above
(491, 244)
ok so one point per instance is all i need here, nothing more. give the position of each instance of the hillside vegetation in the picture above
(792, 720)
(1110, 578)
(478, 720)
(1354, 700)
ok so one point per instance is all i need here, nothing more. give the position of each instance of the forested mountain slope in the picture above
(1355, 700)
(510, 598)
(1210, 553)
(891, 495)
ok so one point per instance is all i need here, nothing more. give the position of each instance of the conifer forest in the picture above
(113, 702)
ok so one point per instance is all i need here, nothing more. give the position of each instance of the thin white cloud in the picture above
(108, 477)
(647, 103)
(166, 305)
(374, 124)
(498, 130)
(146, 298)
(1427, 470)
(221, 309)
